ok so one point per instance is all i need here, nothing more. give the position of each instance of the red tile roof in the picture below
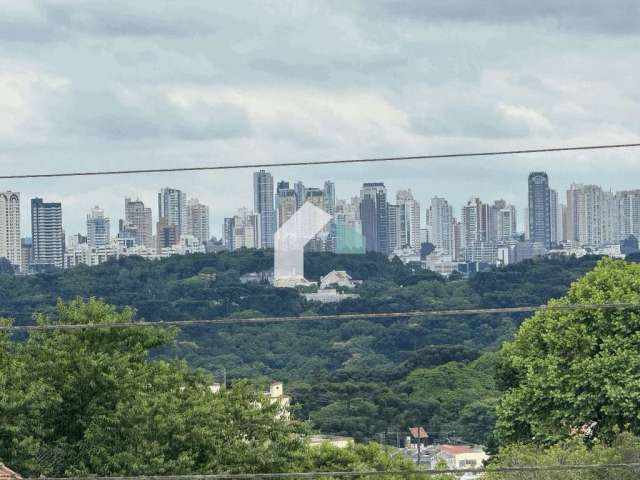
(455, 449)
(6, 473)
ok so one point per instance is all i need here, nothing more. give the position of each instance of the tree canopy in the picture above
(567, 368)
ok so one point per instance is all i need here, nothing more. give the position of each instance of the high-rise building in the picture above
(301, 194)
(26, 252)
(590, 215)
(47, 234)
(329, 197)
(242, 230)
(198, 220)
(477, 225)
(263, 205)
(504, 216)
(172, 209)
(98, 228)
(374, 217)
(396, 227)
(539, 209)
(167, 234)
(141, 219)
(411, 222)
(127, 234)
(286, 203)
(554, 206)
(440, 219)
(627, 211)
(10, 228)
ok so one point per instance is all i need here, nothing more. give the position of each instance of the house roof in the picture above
(418, 432)
(6, 473)
(455, 449)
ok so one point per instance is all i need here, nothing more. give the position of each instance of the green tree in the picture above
(567, 368)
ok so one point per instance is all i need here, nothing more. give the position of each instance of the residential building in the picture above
(459, 456)
(172, 209)
(301, 194)
(198, 218)
(10, 228)
(539, 209)
(411, 221)
(286, 202)
(590, 215)
(140, 218)
(243, 230)
(505, 220)
(440, 219)
(26, 255)
(167, 234)
(47, 233)
(554, 206)
(374, 217)
(127, 234)
(476, 222)
(627, 211)
(98, 228)
(263, 205)
(275, 394)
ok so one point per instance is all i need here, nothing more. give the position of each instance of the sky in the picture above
(97, 85)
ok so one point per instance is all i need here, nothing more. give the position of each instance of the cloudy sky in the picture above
(118, 85)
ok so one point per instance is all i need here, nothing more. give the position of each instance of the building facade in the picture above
(263, 205)
(98, 228)
(172, 209)
(539, 209)
(198, 220)
(141, 219)
(47, 234)
(10, 246)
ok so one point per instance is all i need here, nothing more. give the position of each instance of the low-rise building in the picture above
(333, 440)
(459, 456)
(7, 474)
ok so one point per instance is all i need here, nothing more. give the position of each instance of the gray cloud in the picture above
(127, 117)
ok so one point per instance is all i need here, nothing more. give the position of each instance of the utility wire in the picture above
(316, 318)
(373, 473)
(317, 162)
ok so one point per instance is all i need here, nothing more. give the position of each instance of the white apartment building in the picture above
(98, 228)
(243, 230)
(590, 215)
(198, 220)
(441, 222)
(411, 221)
(627, 206)
(10, 246)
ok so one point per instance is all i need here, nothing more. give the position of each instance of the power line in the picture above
(315, 318)
(317, 162)
(350, 474)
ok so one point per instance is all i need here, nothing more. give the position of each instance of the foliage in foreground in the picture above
(624, 449)
(567, 368)
(91, 401)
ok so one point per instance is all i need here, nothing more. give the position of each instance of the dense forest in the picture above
(368, 379)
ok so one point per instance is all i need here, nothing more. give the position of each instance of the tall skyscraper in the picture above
(329, 197)
(10, 228)
(198, 219)
(47, 233)
(301, 193)
(286, 203)
(141, 219)
(263, 205)
(98, 228)
(441, 221)
(172, 209)
(539, 209)
(374, 217)
(411, 220)
(554, 206)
